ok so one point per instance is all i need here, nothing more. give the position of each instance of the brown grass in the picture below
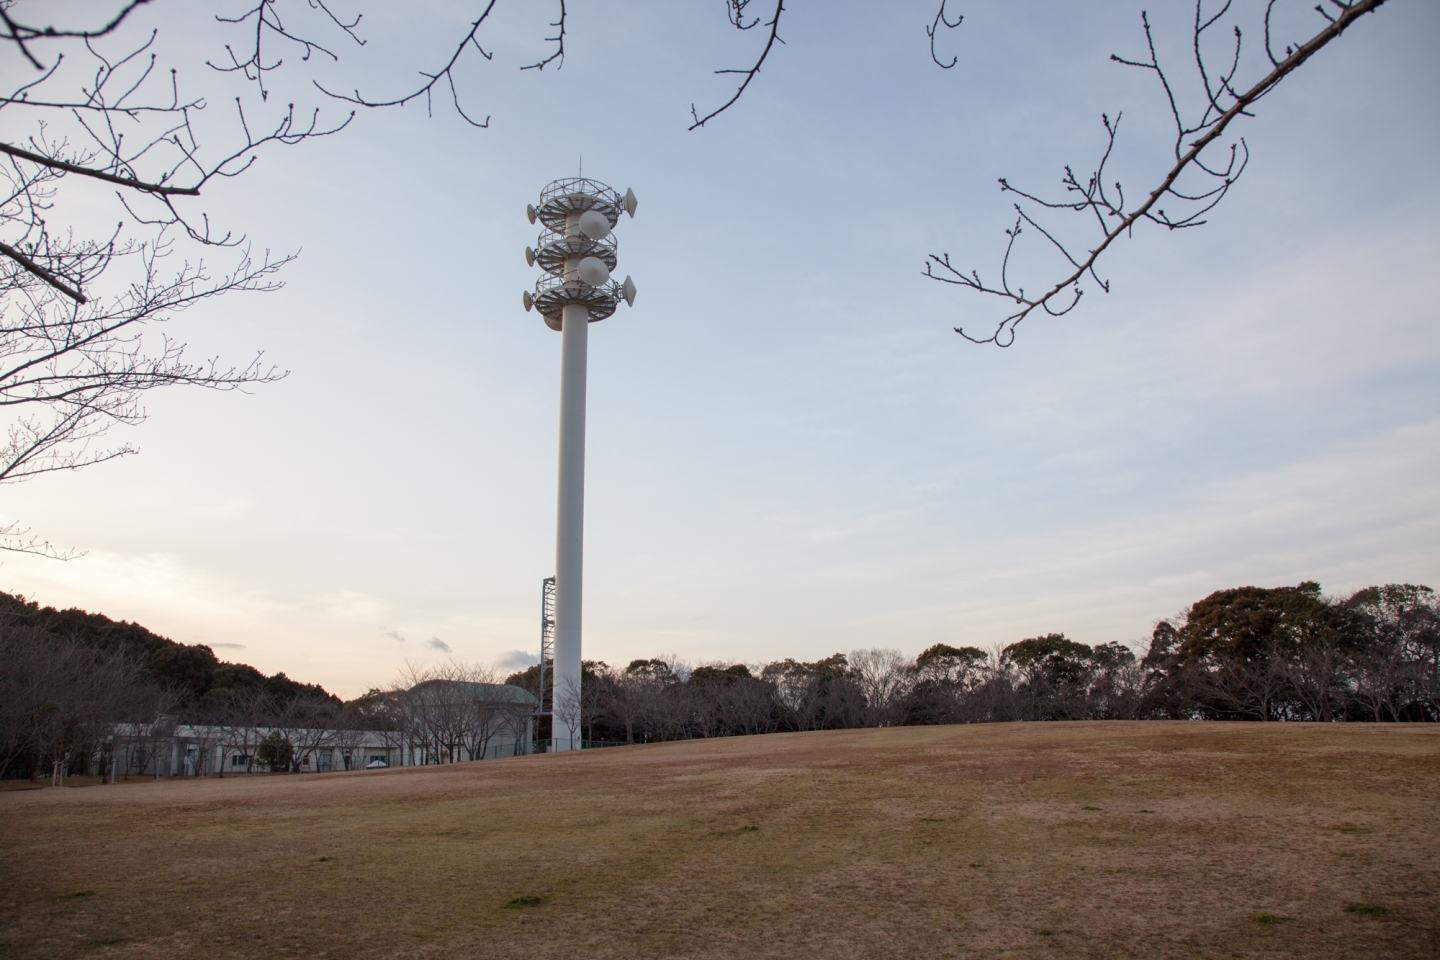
(1143, 840)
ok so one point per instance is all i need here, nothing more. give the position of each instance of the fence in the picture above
(546, 746)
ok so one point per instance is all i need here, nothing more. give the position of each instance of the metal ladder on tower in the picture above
(547, 648)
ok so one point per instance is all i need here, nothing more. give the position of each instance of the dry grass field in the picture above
(1143, 840)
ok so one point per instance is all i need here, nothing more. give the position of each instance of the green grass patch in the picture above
(1367, 910)
(1268, 919)
(523, 901)
(749, 829)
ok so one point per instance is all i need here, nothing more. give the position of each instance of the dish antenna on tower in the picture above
(577, 251)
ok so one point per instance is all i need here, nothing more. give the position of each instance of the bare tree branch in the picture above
(15, 538)
(736, 10)
(97, 174)
(19, 33)
(67, 373)
(558, 40)
(446, 73)
(1223, 104)
(267, 20)
(31, 266)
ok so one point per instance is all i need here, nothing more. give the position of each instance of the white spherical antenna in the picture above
(627, 290)
(594, 225)
(593, 270)
(630, 202)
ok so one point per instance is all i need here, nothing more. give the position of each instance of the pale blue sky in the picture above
(790, 453)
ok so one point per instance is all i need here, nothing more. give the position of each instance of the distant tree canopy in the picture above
(1248, 653)
(1291, 653)
(191, 671)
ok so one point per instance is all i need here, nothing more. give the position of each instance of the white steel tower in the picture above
(577, 251)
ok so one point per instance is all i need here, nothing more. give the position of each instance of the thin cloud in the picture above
(227, 646)
(513, 660)
(435, 643)
(394, 635)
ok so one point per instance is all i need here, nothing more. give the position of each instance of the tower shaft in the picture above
(570, 528)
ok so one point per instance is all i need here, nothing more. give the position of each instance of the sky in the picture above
(790, 453)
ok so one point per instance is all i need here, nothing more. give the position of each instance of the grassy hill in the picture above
(1151, 840)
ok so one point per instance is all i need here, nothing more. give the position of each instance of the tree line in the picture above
(69, 680)
(67, 677)
(1248, 653)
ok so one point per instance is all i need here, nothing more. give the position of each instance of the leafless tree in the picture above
(1205, 163)
(752, 706)
(1318, 671)
(650, 699)
(60, 699)
(80, 312)
(307, 723)
(1251, 687)
(154, 733)
(434, 712)
(742, 703)
(568, 718)
(350, 727)
(624, 698)
(453, 711)
(387, 717)
(245, 716)
(884, 677)
(817, 696)
(206, 738)
(1394, 667)
(1118, 692)
(485, 716)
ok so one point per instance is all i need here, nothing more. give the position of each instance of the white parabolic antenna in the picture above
(594, 225)
(593, 271)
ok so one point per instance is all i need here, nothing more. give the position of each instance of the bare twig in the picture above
(18, 33)
(934, 27)
(30, 266)
(98, 174)
(267, 20)
(558, 40)
(736, 11)
(446, 73)
(15, 538)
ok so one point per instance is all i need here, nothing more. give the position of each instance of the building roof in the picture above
(487, 692)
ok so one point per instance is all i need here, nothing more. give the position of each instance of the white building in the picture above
(439, 721)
